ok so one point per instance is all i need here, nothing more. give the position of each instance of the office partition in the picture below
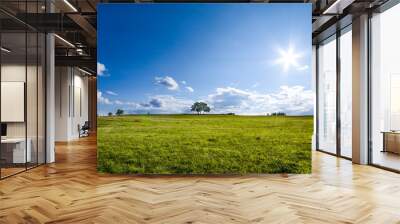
(22, 77)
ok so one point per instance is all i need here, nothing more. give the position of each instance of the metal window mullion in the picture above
(45, 88)
(37, 98)
(73, 92)
(80, 102)
(60, 91)
(369, 89)
(26, 87)
(37, 90)
(338, 82)
(0, 94)
(69, 93)
(45, 95)
(317, 97)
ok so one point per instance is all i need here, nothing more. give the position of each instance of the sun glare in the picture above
(288, 58)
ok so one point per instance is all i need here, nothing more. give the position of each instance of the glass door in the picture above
(327, 95)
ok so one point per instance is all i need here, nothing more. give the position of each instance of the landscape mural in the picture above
(204, 88)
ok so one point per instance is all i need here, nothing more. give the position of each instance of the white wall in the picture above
(80, 110)
(385, 74)
(62, 82)
(71, 102)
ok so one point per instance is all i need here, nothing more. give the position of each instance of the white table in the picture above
(19, 153)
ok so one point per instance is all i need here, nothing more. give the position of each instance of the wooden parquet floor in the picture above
(71, 191)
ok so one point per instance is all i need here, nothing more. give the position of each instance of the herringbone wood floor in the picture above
(71, 191)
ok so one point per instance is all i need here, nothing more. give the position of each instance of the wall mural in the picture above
(204, 88)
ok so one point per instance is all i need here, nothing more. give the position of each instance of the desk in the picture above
(391, 141)
(14, 150)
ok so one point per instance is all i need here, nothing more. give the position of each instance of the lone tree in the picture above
(119, 112)
(207, 109)
(200, 107)
(109, 114)
(278, 114)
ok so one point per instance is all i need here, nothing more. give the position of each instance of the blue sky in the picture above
(240, 58)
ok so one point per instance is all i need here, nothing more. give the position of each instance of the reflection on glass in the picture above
(394, 102)
(22, 91)
(386, 89)
(327, 96)
(346, 94)
(14, 150)
(31, 101)
(41, 99)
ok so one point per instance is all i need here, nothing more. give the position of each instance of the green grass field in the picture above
(204, 144)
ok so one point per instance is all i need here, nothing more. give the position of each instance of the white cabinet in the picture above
(19, 155)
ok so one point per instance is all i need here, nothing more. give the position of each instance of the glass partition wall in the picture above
(345, 90)
(334, 104)
(22, 78)
(13, 85)
(385, 89)
(327, 95)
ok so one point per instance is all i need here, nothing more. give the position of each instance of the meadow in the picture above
(204, 144)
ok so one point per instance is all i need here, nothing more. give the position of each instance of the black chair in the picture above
(84, 130)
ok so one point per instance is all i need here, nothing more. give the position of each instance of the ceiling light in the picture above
(84, 71)
(65, 41)
(70, 5)
(5, 50)
(338, 6)
(79, 51)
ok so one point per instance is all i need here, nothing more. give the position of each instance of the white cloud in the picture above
(101, 69)
(190, 89)
(294, 100)
(103, 100)
(118, 102)
(161, 104)
(168, 82)
(111, 93)
(255, 85)
(302, 68)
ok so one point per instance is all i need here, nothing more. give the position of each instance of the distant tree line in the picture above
(199, 108)
(277, 114)
(119, 112)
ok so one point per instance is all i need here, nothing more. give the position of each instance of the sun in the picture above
(288, 58)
